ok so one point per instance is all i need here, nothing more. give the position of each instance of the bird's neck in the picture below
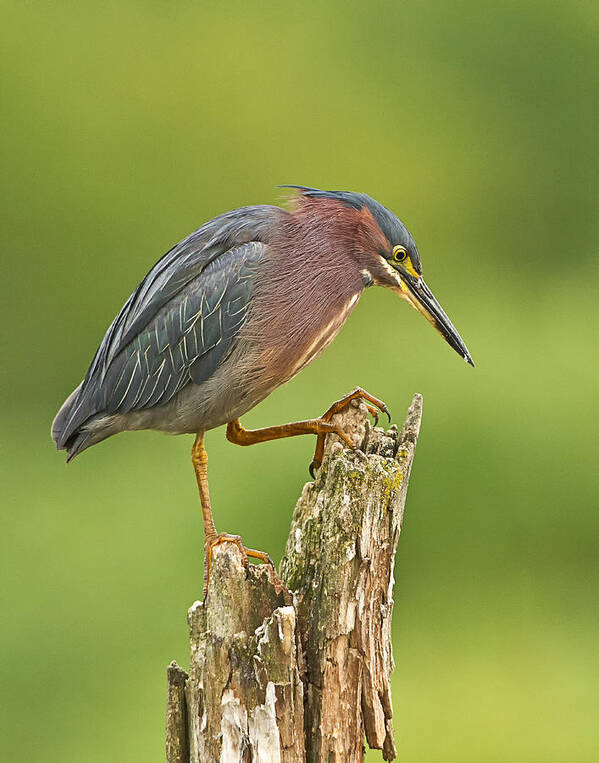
(314, 265)
(309, 284)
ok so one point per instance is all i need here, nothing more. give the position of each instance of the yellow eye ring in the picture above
(399, 253)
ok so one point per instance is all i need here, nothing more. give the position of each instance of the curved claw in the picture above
(375, 404)
(372, 404)
(373, 412)
(357, 394)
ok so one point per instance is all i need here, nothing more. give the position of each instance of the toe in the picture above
(374, 413)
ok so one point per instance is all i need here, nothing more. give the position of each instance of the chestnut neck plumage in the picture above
(320, 258)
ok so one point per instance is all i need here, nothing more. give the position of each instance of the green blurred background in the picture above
(125, 126)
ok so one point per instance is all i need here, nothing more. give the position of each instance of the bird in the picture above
(232, 312)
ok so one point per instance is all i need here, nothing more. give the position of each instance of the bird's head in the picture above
(389, 257)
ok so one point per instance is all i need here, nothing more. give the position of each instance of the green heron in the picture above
(235, 310)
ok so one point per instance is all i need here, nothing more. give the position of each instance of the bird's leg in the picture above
(357, 394)
(199, 458)
(321, 427)
(237, 434)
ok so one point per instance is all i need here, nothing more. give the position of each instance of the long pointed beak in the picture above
(422, 298)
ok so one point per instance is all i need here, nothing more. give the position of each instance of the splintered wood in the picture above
(301, 671)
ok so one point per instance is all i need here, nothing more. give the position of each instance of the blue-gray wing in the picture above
(187, 339)
(179, 323)
(177, 268)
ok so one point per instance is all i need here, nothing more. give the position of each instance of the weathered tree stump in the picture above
(300, 671)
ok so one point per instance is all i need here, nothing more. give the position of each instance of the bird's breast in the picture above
(303, 296)
(306, 346)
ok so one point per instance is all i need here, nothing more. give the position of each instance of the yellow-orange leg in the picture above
(237, 434)
(337, 407)
(321, 427)
(199, 458)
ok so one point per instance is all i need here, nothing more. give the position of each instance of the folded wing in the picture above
(178, 325)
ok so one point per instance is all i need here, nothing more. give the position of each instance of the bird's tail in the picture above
(75, 427)
(60, 421)
(62, 434)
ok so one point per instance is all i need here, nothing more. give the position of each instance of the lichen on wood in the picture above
(301, 671)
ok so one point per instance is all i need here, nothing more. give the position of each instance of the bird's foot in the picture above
(217, 539)
(373, 405)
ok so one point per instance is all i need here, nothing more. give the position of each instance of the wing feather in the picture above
(178, 326)
(173, 360)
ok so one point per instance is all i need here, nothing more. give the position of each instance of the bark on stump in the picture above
(301, 671)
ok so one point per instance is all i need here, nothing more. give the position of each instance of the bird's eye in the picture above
(399, 253)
